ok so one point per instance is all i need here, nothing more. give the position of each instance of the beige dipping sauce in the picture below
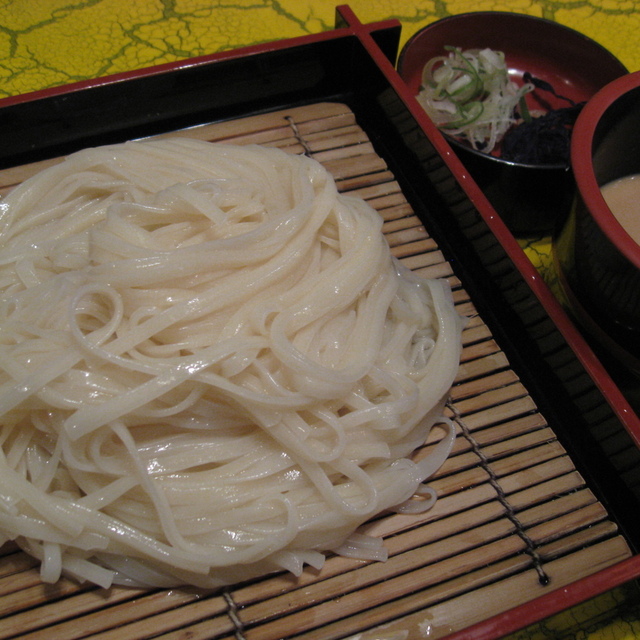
(623, 198)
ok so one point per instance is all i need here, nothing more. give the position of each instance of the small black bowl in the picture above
(532, 199)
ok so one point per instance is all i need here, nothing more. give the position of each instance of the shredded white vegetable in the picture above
(469, 95)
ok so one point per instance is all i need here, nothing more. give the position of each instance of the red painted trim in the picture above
(355, 27)
(558, 315)
(552, 603)
(581, 590)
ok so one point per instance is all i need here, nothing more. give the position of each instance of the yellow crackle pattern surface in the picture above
(45, 43)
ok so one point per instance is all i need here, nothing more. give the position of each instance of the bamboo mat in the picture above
(514, 518)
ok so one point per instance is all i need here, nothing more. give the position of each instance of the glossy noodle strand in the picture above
(211, 367)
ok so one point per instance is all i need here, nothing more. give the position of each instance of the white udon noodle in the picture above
(211, 366)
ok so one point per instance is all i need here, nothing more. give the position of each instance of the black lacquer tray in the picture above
(531, 399)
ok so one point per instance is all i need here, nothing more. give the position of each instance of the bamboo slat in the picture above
(514, 517)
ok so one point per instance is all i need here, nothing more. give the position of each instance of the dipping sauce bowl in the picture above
(595, 256)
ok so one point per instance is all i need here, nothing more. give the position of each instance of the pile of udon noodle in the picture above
(211, 367)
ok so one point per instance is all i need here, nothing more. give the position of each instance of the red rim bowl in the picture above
(574, 64)
(530, 198)
(596, 260)
(582, 160)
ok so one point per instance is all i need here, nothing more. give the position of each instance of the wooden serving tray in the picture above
(514, 519)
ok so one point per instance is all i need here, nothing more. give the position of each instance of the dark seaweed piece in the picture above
(545, 139)
(542, 140)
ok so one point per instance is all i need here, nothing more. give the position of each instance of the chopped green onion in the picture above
(469, 95)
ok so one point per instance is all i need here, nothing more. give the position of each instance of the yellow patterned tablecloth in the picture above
(50, 42)
(44, 43)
